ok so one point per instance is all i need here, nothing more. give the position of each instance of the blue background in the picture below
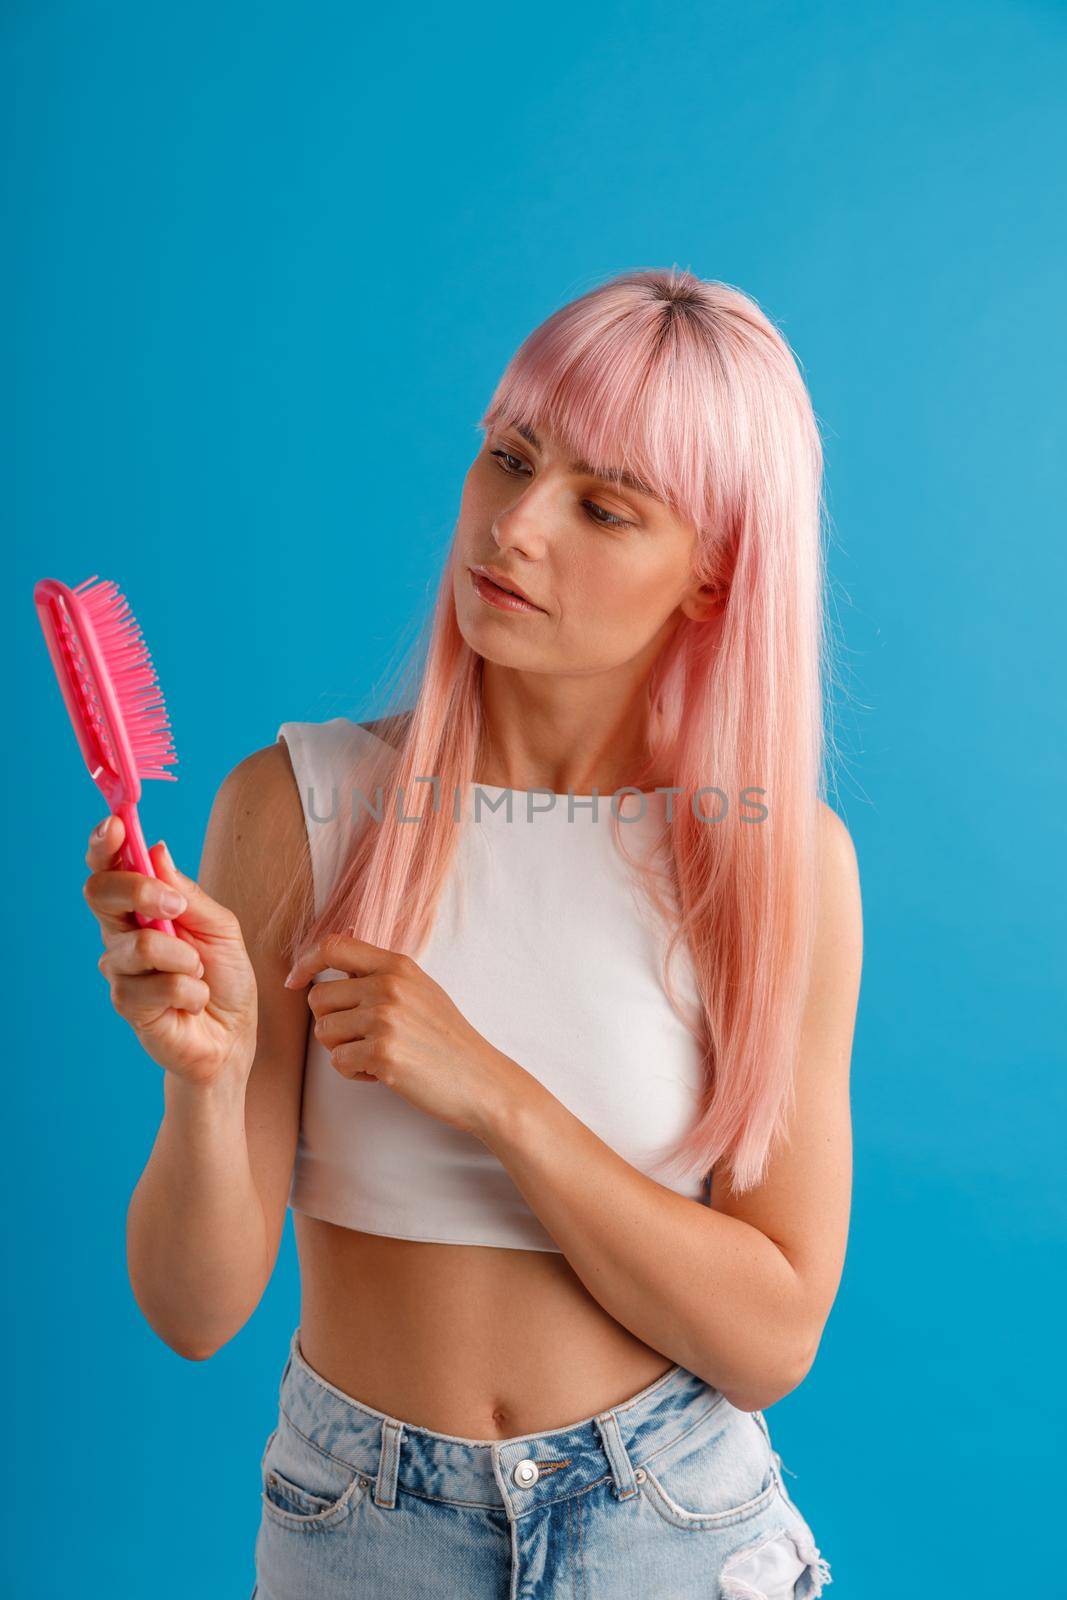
(264, 265)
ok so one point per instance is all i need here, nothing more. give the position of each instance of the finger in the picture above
(105, 843)
(201, 913)
(357, 1058)
(339, 994)
(114, 895)
(104, 854)
(149, 950)
(345, 953)
(142, 998)
(341, 1027)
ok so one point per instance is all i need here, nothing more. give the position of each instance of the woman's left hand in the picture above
(388, 1021)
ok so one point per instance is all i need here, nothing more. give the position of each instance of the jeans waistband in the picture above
(517, 1473)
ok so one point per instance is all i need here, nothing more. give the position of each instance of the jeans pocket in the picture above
(779, 1566)
(303, 1487)
(717, 1473)
(784, 1563)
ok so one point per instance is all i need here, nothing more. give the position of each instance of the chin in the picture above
(492, 644)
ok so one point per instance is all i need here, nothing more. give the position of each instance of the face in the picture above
(607, 565)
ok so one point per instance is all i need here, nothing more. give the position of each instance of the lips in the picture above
(502, 582)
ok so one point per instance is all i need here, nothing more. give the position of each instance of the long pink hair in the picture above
(687, 384)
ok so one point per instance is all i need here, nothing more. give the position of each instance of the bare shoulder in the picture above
(255, 857)
(836, 841)
(839, 927)
(259, 799)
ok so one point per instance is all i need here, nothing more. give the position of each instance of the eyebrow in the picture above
(624, 480)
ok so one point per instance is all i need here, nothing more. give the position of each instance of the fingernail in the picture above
(101, 828)
(290, 978)
(166, 853)
(171, 902)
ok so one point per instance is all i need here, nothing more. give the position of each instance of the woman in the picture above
(558, 1098)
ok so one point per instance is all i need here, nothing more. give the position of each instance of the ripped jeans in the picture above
(673, 1494)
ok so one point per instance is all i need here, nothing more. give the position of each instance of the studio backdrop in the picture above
(263, 268)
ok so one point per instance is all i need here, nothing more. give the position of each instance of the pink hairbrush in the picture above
(114, 701)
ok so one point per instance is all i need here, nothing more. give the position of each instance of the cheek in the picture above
(470, 517)
(610, 596)
(474, 512)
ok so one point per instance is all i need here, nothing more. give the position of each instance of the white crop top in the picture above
(550, 949)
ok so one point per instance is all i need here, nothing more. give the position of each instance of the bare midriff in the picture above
(476, 1341)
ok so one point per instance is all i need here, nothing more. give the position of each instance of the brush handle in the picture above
(134, 857)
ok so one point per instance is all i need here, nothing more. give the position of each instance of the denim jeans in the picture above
(672, 1494)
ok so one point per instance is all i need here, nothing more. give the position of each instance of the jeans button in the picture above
(526, 1473)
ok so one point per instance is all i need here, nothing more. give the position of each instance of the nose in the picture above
(522, 526)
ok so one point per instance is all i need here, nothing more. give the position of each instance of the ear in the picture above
(704, 602)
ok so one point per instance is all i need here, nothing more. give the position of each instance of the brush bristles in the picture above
(132, 676)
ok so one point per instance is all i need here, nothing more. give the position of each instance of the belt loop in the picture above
(385, 1486)
(289, 1357)
(622, 1470)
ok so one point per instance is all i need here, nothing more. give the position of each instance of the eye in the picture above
(610, 519)
(502, 456)
(597, 514)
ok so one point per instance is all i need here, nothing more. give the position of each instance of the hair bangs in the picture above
(627, 393)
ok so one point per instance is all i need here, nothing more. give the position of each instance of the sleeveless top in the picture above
(550, 949)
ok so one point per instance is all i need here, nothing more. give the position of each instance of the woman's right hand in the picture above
(190, 999)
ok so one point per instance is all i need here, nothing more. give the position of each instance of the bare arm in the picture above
(738, 1293)
(205, 1220)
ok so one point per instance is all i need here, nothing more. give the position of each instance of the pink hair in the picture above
(687, 384)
